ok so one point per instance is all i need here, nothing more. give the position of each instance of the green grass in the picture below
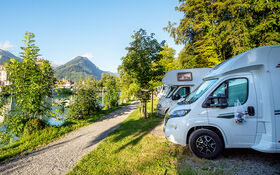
(41, 137)
(133, 149)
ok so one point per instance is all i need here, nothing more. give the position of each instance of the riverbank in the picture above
(61, 155)
(50, 133)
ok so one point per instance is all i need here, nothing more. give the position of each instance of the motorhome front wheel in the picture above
(205, 143)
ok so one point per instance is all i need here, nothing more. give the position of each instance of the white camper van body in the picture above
(253, 79)
(162, 91)
(179, 88)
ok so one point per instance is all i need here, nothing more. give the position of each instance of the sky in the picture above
(97, 29)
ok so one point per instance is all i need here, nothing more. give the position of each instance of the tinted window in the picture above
(220, 90)
(234, 89)
(184, 91)
(237, 90)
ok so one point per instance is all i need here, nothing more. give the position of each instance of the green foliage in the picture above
(61, 101)
(85, 100)
(32, 125)
(111, 86)
(214, 31)
(127, 86)
(63, 92)
(141, 64)
(168, 61)
(31, 82)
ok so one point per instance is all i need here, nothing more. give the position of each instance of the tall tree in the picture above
(126, 84)
(85, 101)
(165, 64)
(139, 61)
(111, 85)
(167, 61)
(31, 81)
(213, 31)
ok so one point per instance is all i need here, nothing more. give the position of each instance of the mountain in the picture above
(77, 68)
(5, 56)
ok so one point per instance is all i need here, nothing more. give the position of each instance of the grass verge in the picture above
(42, 137)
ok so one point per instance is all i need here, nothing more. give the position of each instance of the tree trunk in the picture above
(145, 109)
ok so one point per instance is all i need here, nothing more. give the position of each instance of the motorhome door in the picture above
(241, 98)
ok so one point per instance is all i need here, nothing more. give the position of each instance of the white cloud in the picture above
(6, 45)
(88, 55)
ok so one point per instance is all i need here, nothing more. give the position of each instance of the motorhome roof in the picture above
(249, 60)
(171, 77)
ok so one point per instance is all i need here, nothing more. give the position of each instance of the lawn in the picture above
(42, 137)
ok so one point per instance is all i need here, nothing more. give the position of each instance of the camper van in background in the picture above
(162, 91)
(236, 106)
(180, 82)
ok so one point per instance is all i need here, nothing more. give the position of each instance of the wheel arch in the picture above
(212, 128)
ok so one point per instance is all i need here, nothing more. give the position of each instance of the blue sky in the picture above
(100, 29)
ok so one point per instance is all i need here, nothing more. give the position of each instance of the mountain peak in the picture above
(5, 56)
(78, 68)
(80, 58)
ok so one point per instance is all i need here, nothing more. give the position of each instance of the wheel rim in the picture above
(205, 144)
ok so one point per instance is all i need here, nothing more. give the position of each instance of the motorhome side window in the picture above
(237, 90)
(234, 90)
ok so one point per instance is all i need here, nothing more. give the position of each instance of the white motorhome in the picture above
(162, 91)
(236, 106)
(180, 82)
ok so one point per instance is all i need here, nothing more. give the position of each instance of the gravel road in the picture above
(60, 156)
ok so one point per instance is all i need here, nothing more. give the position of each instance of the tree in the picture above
(141, 61)
(128, 86)
(111, 85)
(168, 61)
(31, 82)
(214, 31)
(85, 101)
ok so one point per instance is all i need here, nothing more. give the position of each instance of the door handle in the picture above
(251, 111)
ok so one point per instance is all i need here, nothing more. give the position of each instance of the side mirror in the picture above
(176, 97)
(210, 101)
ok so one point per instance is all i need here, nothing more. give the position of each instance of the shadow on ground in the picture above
(231, 161)
(137, 128)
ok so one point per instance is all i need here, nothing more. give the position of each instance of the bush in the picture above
(112, 92)
(85, 100)
(33, 125)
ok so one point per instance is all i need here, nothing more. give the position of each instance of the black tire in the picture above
(205, 143)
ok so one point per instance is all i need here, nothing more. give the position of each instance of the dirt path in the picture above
(60, 156)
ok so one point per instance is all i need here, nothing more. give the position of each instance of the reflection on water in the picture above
(55, 122)
(59, 117)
